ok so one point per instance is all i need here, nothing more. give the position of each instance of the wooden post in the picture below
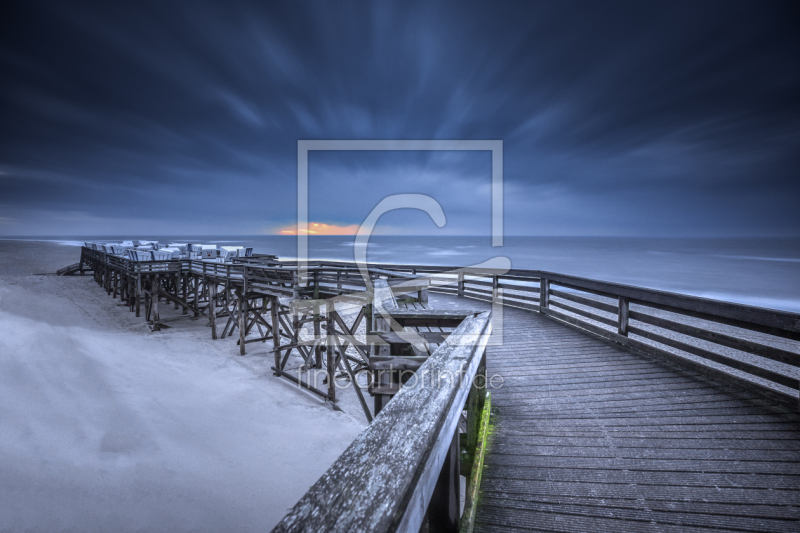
(331, 353)
(212, 309)
(196, 299)
(381, 377)
(317, 337)
(474, 405)
(622, 317)
(241, 308)
(184, 279)
(276, 332)
(544, 294)
(422, 295)
(444, 509)
(461, 283)
(138, 295)
(154, 302)
(381, 326)
(495, 286)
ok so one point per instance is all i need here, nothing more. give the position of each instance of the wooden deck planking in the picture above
(590, 436)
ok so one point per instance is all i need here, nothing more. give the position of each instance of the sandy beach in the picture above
(106, 426)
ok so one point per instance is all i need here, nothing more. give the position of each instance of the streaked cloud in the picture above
(650, 118)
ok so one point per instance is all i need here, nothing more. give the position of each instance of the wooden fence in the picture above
(758, 348)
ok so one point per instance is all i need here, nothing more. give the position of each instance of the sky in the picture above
(617, 118)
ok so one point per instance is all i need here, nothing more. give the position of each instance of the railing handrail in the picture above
(741, 313)
(384, 480)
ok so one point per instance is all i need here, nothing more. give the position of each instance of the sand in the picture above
(106, 426)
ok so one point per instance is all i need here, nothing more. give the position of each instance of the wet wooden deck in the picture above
(590, 436)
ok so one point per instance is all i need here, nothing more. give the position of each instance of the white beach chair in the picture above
(180, 246)
(139, 255)
(225, 254)
(206, 251)
(236, 251)
(162, 255)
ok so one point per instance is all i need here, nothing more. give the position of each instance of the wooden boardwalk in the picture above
(591, 436)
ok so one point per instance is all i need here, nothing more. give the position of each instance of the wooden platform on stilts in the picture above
(613, 408)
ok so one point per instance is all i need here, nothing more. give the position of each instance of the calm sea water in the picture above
(754, 271)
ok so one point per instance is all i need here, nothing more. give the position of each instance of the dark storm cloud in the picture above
(633, 117)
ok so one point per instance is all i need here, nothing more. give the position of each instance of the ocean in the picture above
(763, 272)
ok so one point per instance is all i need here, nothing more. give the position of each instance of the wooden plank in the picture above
(667, 459)
(780, 323)
(666, 355)
(770, 352)
(581, 312)
(584, 301)
(434, 337)
(744, 366)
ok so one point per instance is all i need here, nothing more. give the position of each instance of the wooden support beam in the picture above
(317, 337)
(241, 306)
(184, 280)
(212, 306)
(444, 509)
(154, 290)
(276, 330)
(331, 354)
(138, 295)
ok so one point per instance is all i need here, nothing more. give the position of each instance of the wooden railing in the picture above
(758, 348)
(402, 470)
(754, 347)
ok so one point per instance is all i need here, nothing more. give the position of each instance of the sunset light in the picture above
(318, 228)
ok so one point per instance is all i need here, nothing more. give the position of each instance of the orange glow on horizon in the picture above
(318, 228)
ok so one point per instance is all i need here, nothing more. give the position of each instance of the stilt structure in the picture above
(616, 377)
